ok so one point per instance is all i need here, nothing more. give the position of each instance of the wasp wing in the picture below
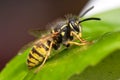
(36, 41)
(38, 32)
(25, 47)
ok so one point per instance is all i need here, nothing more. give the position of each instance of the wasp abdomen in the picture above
(37, 54)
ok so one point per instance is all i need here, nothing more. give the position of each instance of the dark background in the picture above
(18, 16)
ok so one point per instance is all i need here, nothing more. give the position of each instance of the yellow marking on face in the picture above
(71, 26)
(80, 28)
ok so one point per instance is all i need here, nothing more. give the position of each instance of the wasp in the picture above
(63, 32)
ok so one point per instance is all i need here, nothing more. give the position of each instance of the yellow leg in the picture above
(46, 57)
(78, 37)
(76, 43)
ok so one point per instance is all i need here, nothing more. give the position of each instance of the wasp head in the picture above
(75, 21)
(75, 25)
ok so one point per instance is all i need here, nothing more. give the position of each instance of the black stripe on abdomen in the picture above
(45, 47)
(36, 52)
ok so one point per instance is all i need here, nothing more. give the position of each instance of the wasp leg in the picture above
(76, 43)
(46, 57)
(78, 37)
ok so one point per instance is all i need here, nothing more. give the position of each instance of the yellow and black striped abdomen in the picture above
(37, 55)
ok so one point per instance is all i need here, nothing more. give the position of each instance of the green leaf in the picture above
(68, 62)
(16, 69)
(108, 69)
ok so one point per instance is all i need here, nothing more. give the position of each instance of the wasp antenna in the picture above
(86, 11)
(87, 19)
